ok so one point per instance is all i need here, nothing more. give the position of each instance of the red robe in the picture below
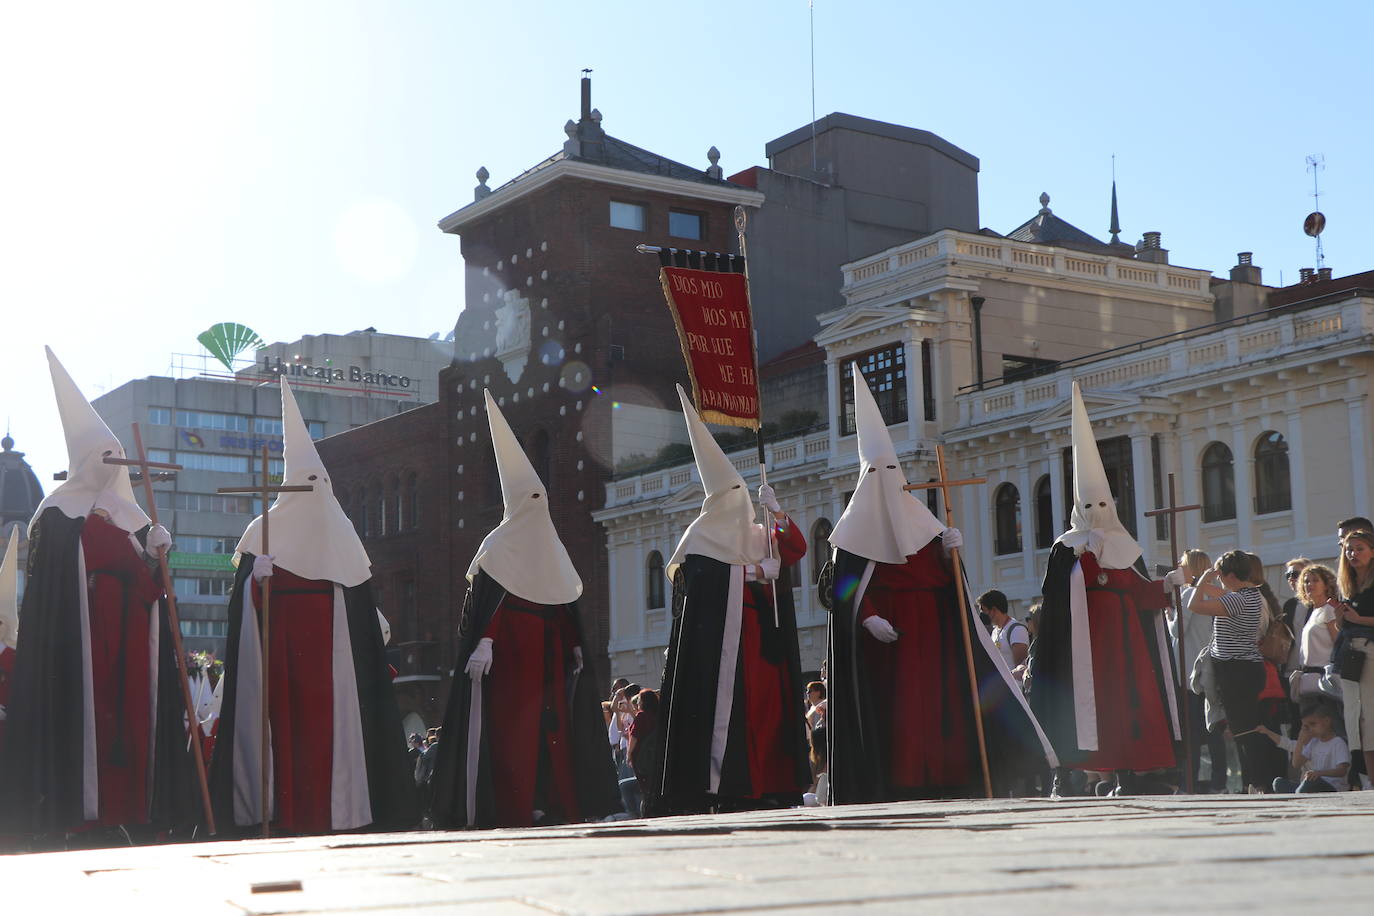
(768, 685)
(922, 694)
(301, 699)
(1133, 727)
(121, 594)
(526, 704)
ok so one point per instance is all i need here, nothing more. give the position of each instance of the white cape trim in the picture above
(725, 682)
(1167, 665)
(248, 721)
(1084, 692)
(350, 803)
(474, 748)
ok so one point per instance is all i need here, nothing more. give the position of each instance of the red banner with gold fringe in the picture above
(716, 330)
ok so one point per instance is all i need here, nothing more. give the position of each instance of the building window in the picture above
(412, 502)
(885, 371)
(928, 379)
(653, 580)
(209, 628)
(820, 547)
(382, 521)
(627, 216)
(393, 504)
(204, 543)
(1157, 477)
(1218, 483)
(1007, 504)
(684, 225)
(1044, 513)
(1117, 462)
(1272, 491)
(159, 416)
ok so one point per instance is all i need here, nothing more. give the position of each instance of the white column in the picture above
(611, 551)
(915, 388)
(1186, 480)
(1027, 522)
(1297, 476)
(1245, 476)
(832, 396)
(976, 534)
(1359, 478)
(1141, 476)
(1056, 471)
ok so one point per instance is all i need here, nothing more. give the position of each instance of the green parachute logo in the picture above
(227, 340)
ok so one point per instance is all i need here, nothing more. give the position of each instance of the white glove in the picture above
(479, 662)
(1097, 540)
(159, 541)
(770, 568)
(769, 500)
(1176, 578)
(262, 568)
(577, 660)
(953, 538)
(880, 629)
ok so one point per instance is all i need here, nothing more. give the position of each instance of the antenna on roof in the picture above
(811, 6)
(1316, 220)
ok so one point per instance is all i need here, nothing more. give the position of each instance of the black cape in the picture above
(390, 775)
(687, 702)
(1051, 663)
(860, 742)
(41, 772)
(594, 776)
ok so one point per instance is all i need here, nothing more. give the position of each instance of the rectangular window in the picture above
(1019, 367)
(885, 371)
(203, 587)
(1157, 478)
(267, 426)
(627, 216)
(208, 628)
(204, 543)
(202, 420)
(928, 379)
(316, 428)
(205, 502)
(159, 416)
(684, 225)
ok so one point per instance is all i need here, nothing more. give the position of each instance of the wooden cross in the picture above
(146, 476)
(1172, 511)
(944, 484)
(264, 490)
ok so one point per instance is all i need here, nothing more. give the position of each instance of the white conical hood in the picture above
(9, 591)
(1093, 505)
(91, 483)
(882, 522)
(309, 534)
(523, 553)
(725, 530)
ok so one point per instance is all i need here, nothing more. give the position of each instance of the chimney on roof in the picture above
(1150, 249)
(1305, 276)
(586, 96)
(590, 139)
(1323, 273)
(1245, 270)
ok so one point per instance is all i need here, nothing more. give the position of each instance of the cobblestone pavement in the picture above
(1177, 854)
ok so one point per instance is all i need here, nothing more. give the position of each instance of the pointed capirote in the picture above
(883, 522)
(1094, 508)
(725, 530)
(308, 532)
(523, 553)
(91, 484)
(9, 591)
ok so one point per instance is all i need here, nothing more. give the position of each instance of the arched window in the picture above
(1272, 490)
(1044, 513)
(383, 523)
(394, 517)
(411, 502)
(653, 582)
(360, 521)
(1007, 503)
(820, 547)
(1218, 483)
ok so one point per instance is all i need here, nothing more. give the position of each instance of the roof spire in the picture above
(1115, 230)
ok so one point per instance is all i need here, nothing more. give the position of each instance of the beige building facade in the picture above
(1260, 418)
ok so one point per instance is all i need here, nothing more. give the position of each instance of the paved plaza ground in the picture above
(1157, 854)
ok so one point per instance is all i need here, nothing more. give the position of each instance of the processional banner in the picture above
(716, 330)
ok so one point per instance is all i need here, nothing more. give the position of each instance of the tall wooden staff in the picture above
(263, 492)
(741, 223)
(1172, 511)
(145, 468)
(944, 485)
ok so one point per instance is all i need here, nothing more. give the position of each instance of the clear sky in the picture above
(283, 164)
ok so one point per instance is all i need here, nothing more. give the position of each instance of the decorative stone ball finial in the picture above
(713, 154)
(7, 443)
(1044, 203)
(481, 190)
(714, 170)
(483, 175)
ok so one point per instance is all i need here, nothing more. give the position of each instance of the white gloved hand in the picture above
(953, 538)
(1097, 540)
(880, 629)
(262, 568)
(479, 662)
(1176, 578)
(770, 568)
(158, 542)
(769, 500)
(577, 660)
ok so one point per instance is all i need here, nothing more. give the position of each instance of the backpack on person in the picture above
(1277, 642)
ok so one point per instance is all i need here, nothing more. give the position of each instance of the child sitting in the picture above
(1318, 753)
